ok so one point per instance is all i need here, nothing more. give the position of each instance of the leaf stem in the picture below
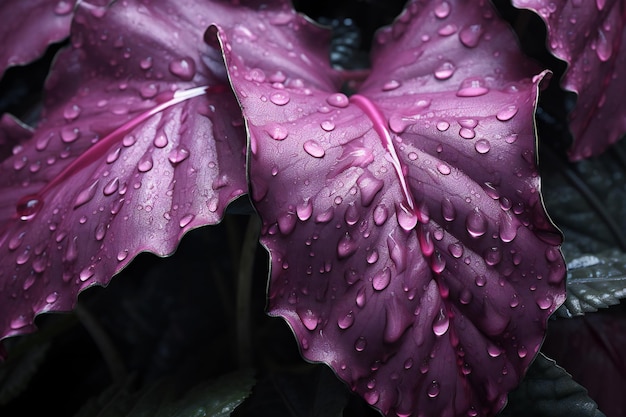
(244, 291)
(103, 341)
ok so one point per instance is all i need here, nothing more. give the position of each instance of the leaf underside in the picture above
(409, 246)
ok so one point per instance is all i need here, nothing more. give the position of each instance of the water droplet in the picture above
(371, 397)
(456, 249)
(433, 389)
(28, 206)
(114, 155)
(309, 319)
(360, 298)
(522, 351)
(178, 155)
(494, 351)
(441, 323)
(280, 98)
(360, 344)
(391, 85)
(472, 87)
(314, 149)
(160, 141)
(277, 132)
(327, 125)
(442, 125)
(407, 218)
(63, 7)
(604, 49)
(437, 262)
(86, 195)
(507, 113)
(71, 112)
(480, 280)
(482, 146)
(121, 255)
(448, 211)
(465, 297)
(346, 247)
(370, 187)
(23, 257)
(492, 256)
(445, 71)
(476, 223)
(338, 100)
(380, 214)
(52, 297)
(145, 163)
(470, 35)
(346, 321)
(442, 10)
(69, 134)
(86, 273)
(146, 63)
(544, 303)
(101, 230)
(381, 280)
(184, 68)
(443, 169)
(186, 219)
(19, 322)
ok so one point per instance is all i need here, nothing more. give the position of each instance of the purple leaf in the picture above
(591, 37)
(27, 27)
(409, 246)
(141, 141)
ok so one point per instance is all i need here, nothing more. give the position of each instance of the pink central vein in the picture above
(380, 126)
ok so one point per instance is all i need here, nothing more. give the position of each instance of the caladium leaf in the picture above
(591, 37)
(27, 27)
(141, 141)
(409, 246)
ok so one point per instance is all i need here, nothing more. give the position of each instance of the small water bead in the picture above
(545, 303)
(100, 231)
(346, 321)
(145, 63)
(113, 155)
(338, 100)
(448, 211)
(304, 210)
(507, 113)
(28, 206)
(494, 351)
(86, 195)
(470, 35)
(360, 298)
(482, 146)
(522, 351)
(186, 219)
(371, 397)
(360, 344)
(433, 389)
(184, 68)
(445, 71)
(121, 255)
(160, 140)
(178, 155)
(442, 125)
(327, 125)
(437, 262)
(381, 280)
(308, 319)
(149, 90)
(456, 249)
(467, 133)
(381, 214)
(475, 223)
(314, 149)
(447, 30)
(391, 85)
(441, 323)
(71, 112)
(442, 10)
(63, 7)
(86, 273)
(492, 256)
(472, 87)
(145, 163)
(277, 132)
(480, 280)
(111, 187)
(280, 98)
(69, 134)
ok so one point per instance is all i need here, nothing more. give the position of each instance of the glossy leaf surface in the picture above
(410, 249)
(27, 27)
(141, 141)
(591, 37)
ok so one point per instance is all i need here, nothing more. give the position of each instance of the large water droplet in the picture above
(442, 10)
(472, 87)
(444, 71)
(433, 389)
(304, 210)
(71, 112)
(346, 321)
(470, 35)
(441, 323)
(380, 214)
(338, 100)
(482, 146)
(507, 113)
(277, 132)
(86, 195)
(407, 218)
(314, 149)
(360, 298)
(360, 344)
(186, 219)
(327, 125)
(145, 163)
(308, 318)
(184, 68)
(476, 223)
(381, 280)
(178, 155)
(391, 85)
(448, 211)
(280, 98)
(28, 206)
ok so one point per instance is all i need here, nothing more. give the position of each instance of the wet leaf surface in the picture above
(409, 247)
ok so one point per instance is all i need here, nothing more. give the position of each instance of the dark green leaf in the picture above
(549, 391)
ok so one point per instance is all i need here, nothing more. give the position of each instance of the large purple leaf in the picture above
(27, 27)
(141, 141)
(591, 37)
(409, 246)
